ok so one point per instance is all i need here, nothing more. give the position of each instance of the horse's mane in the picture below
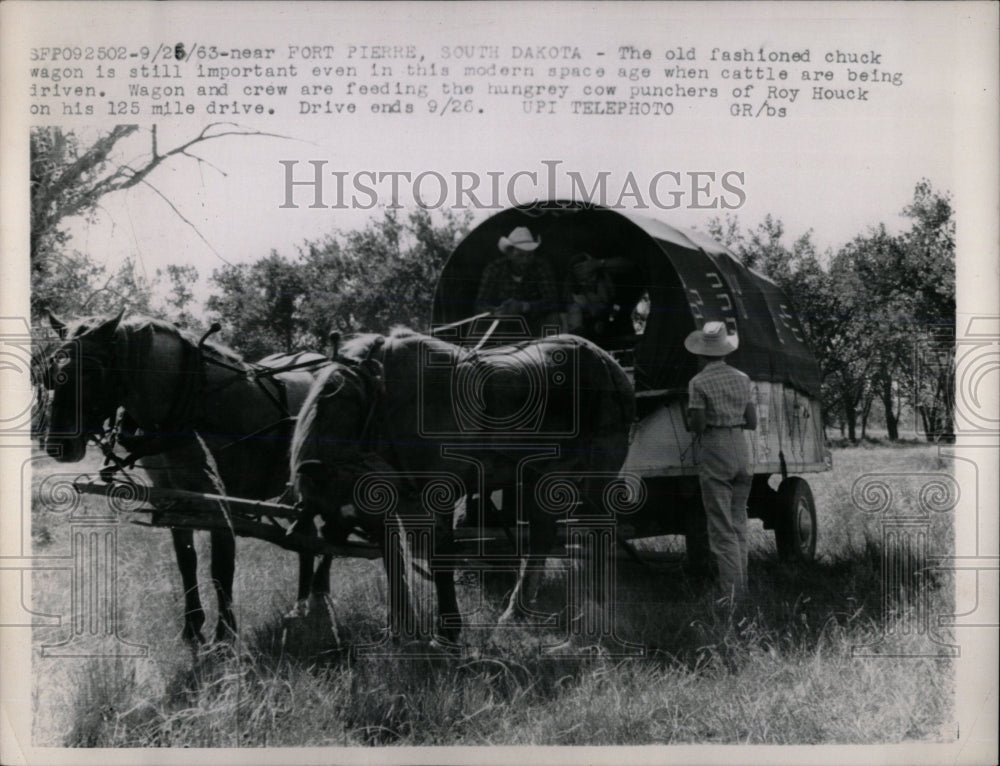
(357, 347)
(141, 326)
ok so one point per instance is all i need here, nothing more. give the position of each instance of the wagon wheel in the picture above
(795, 521)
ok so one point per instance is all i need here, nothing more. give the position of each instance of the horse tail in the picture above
(610, 405)
(624, 388)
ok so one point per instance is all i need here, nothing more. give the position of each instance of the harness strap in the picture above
(279, 400)
(259, 374)
(372, 445)
(268, 372)
(186, 407)
(372, 370)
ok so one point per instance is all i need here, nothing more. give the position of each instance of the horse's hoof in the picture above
(215, 651)
(447, 647)
(299, 611)
(522, 617)
(512, 617)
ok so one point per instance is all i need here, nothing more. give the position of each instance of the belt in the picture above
(723, 428)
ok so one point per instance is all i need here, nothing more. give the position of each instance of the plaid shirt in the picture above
(722, 391)
(536, 286)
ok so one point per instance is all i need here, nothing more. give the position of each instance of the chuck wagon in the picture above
(655, 286)
(665, 283)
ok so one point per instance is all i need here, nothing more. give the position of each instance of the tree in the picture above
(180, 294)
(380, 276)
(360, 281)
(74, 285)
(822, 300)
(848, 343)
(881, 303)
(66, 180)
(930, 278)
(258, 304)
(909, 282)
(70, 176)
(887, 319)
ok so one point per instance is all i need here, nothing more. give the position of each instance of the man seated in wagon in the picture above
(593, 306)
(520, 282)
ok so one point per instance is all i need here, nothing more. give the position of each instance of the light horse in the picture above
(199, 418)
(419, 422)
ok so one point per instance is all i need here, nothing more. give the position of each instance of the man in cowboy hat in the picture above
(719, 408)
(519, 283)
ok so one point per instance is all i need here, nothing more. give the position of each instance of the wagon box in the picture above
(666, 283)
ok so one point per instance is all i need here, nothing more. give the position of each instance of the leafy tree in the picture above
(930, 279)
(258, 303)
(822, 301)
(884, 317)
(75, 285)
(848, 350)
(70, 176)
(881, 302)
(364, 280)
(909, 282)
(395, 265)
(180, 295)
(761, 248)
(66, 179)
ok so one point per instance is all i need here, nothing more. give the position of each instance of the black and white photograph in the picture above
(486, 382)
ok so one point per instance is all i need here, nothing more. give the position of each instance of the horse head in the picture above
(85, 393)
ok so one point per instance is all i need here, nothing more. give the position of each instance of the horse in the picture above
(197, 417)
(421, 422)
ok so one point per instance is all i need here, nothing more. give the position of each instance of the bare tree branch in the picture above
(180, 215)
(76, 189)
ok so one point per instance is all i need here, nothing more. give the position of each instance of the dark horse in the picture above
(199, 418)
(399, 428)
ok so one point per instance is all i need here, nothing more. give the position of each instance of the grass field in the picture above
(788, 673)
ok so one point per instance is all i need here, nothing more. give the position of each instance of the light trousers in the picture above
(725, 474)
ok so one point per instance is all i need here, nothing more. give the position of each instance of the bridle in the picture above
(88, 360)
(185, 409)
(371, 372)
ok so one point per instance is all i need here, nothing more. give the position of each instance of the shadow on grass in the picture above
(301, 681)
(790, 607)
(674, 617)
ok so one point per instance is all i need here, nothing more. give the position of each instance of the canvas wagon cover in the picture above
(690, 279)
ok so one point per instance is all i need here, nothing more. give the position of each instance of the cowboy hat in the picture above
(712, 340)
(520, 239)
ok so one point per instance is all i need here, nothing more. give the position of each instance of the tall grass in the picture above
(783, 671)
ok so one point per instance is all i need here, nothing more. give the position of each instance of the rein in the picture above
(371, 372)
(184, 410)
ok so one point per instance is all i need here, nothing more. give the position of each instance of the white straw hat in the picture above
(520, 239)
(712, 340)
